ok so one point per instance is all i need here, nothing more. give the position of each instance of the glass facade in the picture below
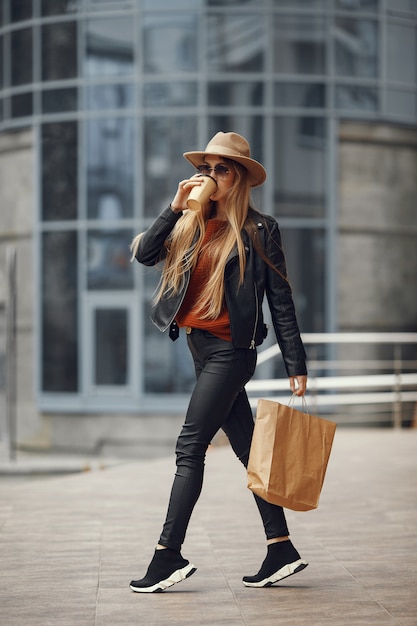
(117, 91)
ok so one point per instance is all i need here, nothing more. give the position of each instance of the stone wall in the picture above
(377, 246)
(377, 241)
(16, 202)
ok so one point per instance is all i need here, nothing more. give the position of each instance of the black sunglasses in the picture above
(219, 170)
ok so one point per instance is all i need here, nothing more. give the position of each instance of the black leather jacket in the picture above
(244, 302)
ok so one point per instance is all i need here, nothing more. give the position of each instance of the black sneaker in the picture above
(282, 560)
(166, 568)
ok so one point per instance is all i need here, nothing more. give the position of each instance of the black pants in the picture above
(218, 401)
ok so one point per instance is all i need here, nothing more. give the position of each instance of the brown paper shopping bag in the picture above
(289, 455)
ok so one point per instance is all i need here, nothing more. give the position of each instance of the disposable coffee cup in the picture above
(200, 194)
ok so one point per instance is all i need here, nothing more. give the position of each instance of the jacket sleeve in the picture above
(151, 247)
(281, 304)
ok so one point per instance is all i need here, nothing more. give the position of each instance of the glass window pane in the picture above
(308, 95)
(59, 171)
(59, 358)
(110, 97)
(235, 93)
(305, 251)
(20, 10)
(236, 3)
(108, 259)
(402, 53)
(358, 5)
(166, 139)
(357, 98)
(402, 103)
(111, 347)
(2, 43)
(167, 4)
(299, 166)
(356, 47)
(109, 47)
(110, 166)
(57, 7)
(22, 105)
(299, 45)
(401, 7)
(178, 93)
(168, 367)
(236, 42)
(170, 43)
(59, 51)
(21, 56)
(305, 4)
(57, 100)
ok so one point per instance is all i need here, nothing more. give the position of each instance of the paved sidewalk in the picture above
(69, 545)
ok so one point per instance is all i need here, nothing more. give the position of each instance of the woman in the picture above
(217, 266)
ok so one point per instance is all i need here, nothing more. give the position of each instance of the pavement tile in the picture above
(69, 545)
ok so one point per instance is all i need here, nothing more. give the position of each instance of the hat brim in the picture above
(257, 173)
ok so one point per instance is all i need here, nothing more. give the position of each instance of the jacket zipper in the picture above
(252, 343)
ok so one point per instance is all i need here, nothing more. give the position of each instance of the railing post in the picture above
(397, 410)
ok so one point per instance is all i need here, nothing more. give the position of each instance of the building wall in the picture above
(377, 251)
(17, 219)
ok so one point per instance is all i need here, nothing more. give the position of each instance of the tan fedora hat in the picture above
(231, 146)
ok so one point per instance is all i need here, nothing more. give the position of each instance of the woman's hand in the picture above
(298, 385)
(179, 202)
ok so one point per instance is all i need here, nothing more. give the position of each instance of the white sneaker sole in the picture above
(175, 577)
(284, 572)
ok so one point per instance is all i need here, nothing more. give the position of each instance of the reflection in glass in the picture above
(307, 95)
(236, 42)
(305, 4)
(176, 93)
(108, 259)
(402, 53)
(305, 251)
(109, 47)
(111, 347)
(59, 342)
(166, 139)
(354, 97)
(299, 166)
(59, 50)
(299, 45)
(56, 7)
(21, 56)
(21, 105)
(167, 4)
(401, 7)
(357, 5)
(356, 47)
(168, 367)
(20, 10)
(402, 103)
(59, 171)
(57, 100)
(110, 164)
(110, 97)
(235, 93)
(170, 43)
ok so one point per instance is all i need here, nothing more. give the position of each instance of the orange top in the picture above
(187, 315)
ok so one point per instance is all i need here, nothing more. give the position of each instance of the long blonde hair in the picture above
(184, 245)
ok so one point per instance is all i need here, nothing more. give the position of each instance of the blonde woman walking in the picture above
(217, 265)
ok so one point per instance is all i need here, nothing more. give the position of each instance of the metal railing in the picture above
(396, 386)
